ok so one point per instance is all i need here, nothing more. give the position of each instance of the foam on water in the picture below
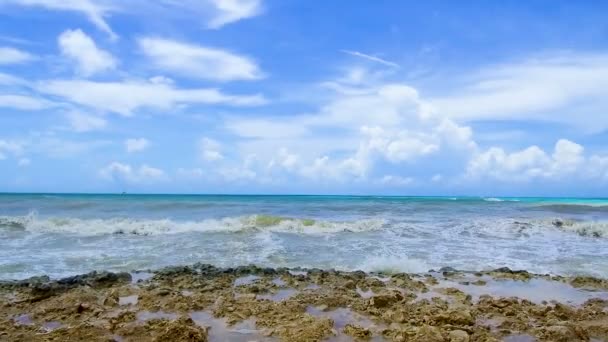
(62, 235)
(68, 225)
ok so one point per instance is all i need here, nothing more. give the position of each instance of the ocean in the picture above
(66, 234)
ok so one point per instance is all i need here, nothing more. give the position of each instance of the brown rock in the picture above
(428, 333)
(458, 336)
(385, 299)
(357, 332)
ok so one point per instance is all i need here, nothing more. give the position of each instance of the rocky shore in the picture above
(205, 303)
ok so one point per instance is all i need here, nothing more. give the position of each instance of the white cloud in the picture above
(284, 160)
(121, 172)
(215, 13)
(136, 144)
(10, 55)
(401, 146)
(531, 163)
(24, 102)
(110, 96)
(371, 58)
(196, 61)
(95, 11)
(148, 172)
(352, 134)
(81, 122)
(395, 181)
(80, 48)
(210, 150)
(262, 128)
(57, 147)
(6, 79)
(9, 147)
(229, 11)
(534, 89)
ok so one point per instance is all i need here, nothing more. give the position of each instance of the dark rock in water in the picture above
(448, 269)
(508, 270)
(558, 223)
(385, 299)
(359, 274)
(207, 269)
(269, 271)
(95, 279)
(174, 270)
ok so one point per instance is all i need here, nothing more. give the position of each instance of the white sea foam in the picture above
(32, 223)
(586, 228)
(394, 264)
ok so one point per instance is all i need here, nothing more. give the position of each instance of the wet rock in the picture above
(182, 330)
(458, 336)
(174, 271)
(163, 291)
(82, 307)
(458, 317)
(589, 282)
(561, 333)
(428, 333)
(95, 279)
(385, 299)
(350, 284)
(357, 332)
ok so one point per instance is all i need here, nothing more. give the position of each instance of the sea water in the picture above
(66, 234)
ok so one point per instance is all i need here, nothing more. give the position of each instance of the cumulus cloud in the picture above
(531, 163)
(136, 144)
(81, 122)
(110, 96)
(371, 125)
(121, 172)
(9, 55)
(210, 150)
(80, 48)
(196, 61)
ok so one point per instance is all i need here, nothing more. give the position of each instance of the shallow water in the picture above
(62, 235)
(244, 331)
(536, 290)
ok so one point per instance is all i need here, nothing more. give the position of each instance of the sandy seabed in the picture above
(205, 303)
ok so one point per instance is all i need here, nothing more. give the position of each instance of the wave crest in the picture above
(583, 228)
(32, 224)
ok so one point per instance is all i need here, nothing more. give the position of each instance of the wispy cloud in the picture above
(229, 11)
(110, 96)
(95, 11)
(197, 61)
(371, 58)
(533, 89)
(9, 55)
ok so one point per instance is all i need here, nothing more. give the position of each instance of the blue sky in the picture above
(269, 96)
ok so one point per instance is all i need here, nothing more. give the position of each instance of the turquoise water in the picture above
(67, 234)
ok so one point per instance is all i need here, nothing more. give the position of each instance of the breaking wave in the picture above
(583, 228)
(31, 223)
